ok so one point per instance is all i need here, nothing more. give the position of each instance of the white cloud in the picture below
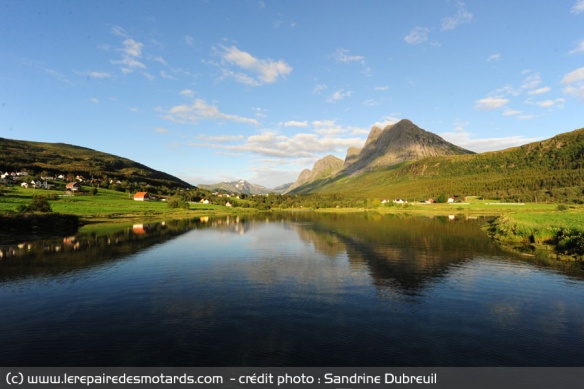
(165, 75)
(462, 16)
(187, 92)
(417, 35)
(579, 49)
(574, 82)
(578, 7)
(189, 40)
(539, 91)
(381, 88)
(386, 121)
(161, 130)
(559, 103)
(119, 31)
(131, 52)
(59, 76)
(494, 57)
(272, 144)
(465, 139)
(318, 88)
(260, 71)
(294, 123)
(574, 76)
(490, 103)
(96, 74)
(200, 110)
(342, 55)
(222, 138)
(326, 137)
(371, 103)
(339, 95)
(511, 112)
(94, 100)
(531, 82)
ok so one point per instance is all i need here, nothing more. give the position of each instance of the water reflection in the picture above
(291, 289)
(398, 251)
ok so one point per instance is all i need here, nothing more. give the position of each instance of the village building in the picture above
(142, 196)
(73, 187)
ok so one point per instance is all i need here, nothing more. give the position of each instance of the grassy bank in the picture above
(106, 206)
(558, 234)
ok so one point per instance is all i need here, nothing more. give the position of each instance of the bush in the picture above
(562, 207)
(38, 204)
(177, 202)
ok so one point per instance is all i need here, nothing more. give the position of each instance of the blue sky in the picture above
(213, 91)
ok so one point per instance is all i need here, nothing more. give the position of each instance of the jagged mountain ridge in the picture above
(239, 187)
(323, 168)
(396, 143)
(400, 142)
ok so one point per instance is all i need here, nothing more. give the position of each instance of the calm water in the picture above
(288, 290)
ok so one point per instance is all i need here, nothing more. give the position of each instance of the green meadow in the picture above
(536, 225)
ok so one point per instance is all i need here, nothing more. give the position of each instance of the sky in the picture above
(214, 91)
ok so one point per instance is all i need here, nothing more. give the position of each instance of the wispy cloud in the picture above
(466, 139)
(339, 95)
(318, 88)
(93, 74)
(131, 53)
(322, 137)
(386, 121)
(222, 138)
(257, 71)
(295, 123)
(578, 7)
(381, 88)
(539, 91)
(462, 16)
(187, 93)
(161, 130)
(200, 110)
(344, 56)
(490, 103)
(58, 76)
(417, 35)
(494, 57)
(579, 49)
(574, 83)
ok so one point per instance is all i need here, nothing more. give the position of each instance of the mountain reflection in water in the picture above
(287, 289)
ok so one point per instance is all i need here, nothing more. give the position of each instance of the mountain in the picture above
(549, 170)
(323, 168)
(61, 158)
(241, 187)
(283, 188)
(396, 143)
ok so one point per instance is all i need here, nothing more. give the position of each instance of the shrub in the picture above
(38, 204)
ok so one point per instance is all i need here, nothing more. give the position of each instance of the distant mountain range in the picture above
(60, 158)
(243, 187)
(394, 144)
(403, 160)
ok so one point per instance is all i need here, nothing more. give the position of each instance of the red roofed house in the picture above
(142, 196)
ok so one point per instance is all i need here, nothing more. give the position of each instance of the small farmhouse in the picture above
(74, 186)
(142, 196)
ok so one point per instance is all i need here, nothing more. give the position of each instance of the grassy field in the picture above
(539, 225)
(105, 206)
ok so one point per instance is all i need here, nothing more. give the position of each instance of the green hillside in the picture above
(539, 171)
(58, 158)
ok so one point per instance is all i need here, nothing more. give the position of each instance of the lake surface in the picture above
(296, 289)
